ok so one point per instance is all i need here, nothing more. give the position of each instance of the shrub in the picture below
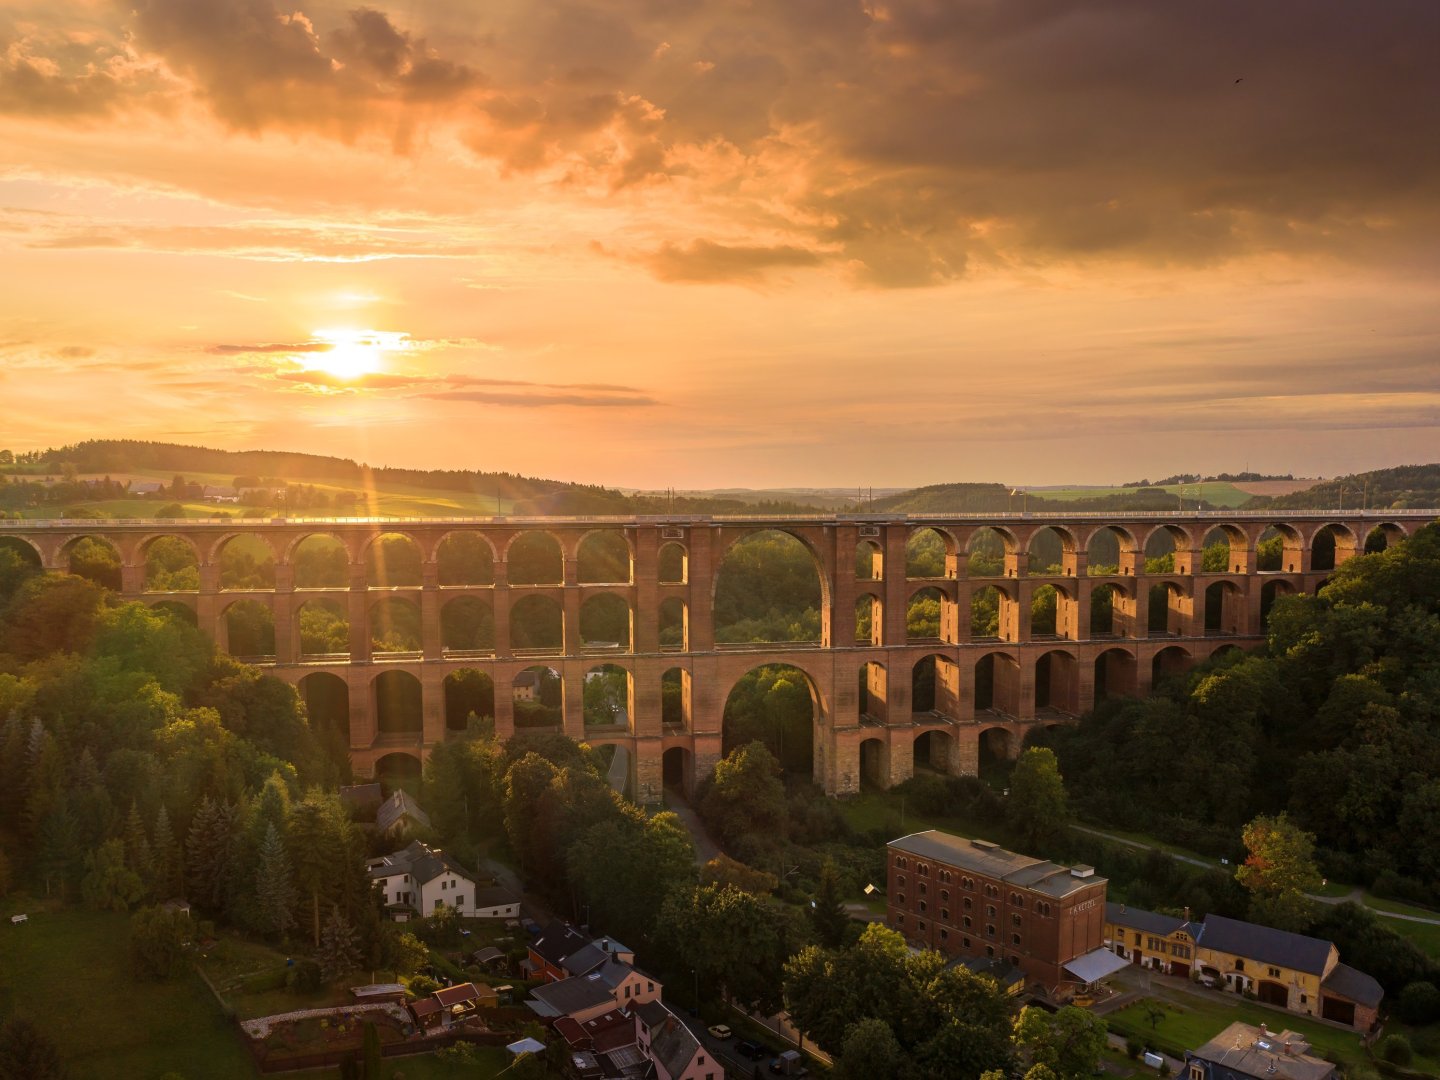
(1419, 1003)
(1395, 1049)
(1133, 1048)
(304, 977)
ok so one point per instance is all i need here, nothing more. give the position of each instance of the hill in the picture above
(1400, 488)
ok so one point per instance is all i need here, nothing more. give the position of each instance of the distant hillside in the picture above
(997, 498)
(1400, 488)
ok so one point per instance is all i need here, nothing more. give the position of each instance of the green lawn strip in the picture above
(1197, 1021)
(1428, 1037)
(1424, 936)
(1399, 908)
(68, 971)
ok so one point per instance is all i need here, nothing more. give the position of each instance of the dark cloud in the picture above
(705, 260)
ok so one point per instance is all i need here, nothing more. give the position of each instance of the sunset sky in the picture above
(705, 244)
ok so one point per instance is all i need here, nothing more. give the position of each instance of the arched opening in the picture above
(1383, 537)
(1272, 993)
(247, 564)
(935, 750)
(398, 704)
(1104, 599)
(871, 693)
(327, 705)
(1045, 616)
(464, 559)
(1224, 608)
(998, 750)
(925, 553)
(603, 558)
(95, 559)
(869, 561)
(987, 606)
(1111, 552)
(174, 609)
(1170, 662)
(18, 561)
(397, 771)
(677, 769)
(673, 564)
(1057, 682)
(923, 616)
(997, 684)
(1226, 651)
(324, 631)
(534, 558)
(987, 550)
(605, 623)
(1279, 548)
(675, 700)
(171, 565)
(249, 630)
(874, 764)
(394, 627)
(1050, 551)
(1166, 615)
(768, 589)
(1162, 547)
(1223, 551)
(935, 688)
(869, 620)
(777, 705)
(537, 625)
(608, 698)
(469, 701)
(1268, 594)
(467, 627)
(321, 561)
(539, 698)
(1115, 674)
(1330, 546)
(392, 561)
(674, 624)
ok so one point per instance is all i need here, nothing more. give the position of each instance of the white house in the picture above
(420, 880)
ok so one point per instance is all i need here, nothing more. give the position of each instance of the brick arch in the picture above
(1007, 536)
(822, 571)
(624, 534)
(345, 539)
(217, 546)
(369, 539)
(27, 542)
(815, 679)
(509, 542)
(1068, 541)
(142, 545)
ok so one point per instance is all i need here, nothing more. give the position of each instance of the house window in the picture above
(945, 895)
(1239, 965)
(1302, 999)
(439, 903)
(922, 905)
(649, 987)
(1275, 973)
(899, 919)
(900, 880)
(920, 925)
(627, 991)
(1197, 1071)
(945, 913)
(966, 904)
(990, 910)
(700, 1059)
(900, 862)
(1014, 939)
(1015, 919)
(966, 922)
(989, 930)
(965, 942)
(990, 951)
(944, 934)
(1017, 899)
(1155, 945)
(967, 883)
(1181, 951)
(922, 888)
(900, 898)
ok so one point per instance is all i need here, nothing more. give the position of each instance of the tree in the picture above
(109, 884)
(209, 847)
(168, 877)
(374, 1064)
(26, 1053)
(137, 846)
(339, 952)
(1037, 807)
(871, 1052)
(827, 912)
(273, 887)
(1278, 871)
(1419, 1003)
(158, 941)
(1069, 1042)
(745, 796)
(735, 942)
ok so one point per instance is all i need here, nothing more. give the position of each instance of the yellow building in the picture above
(1161, 943)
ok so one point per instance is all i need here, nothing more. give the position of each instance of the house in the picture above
(1292, 971)
(548, 950)
(400, 814)
(420, 880)
(146, 487)
(378, 993)
(1245, 1052)
(451, 1004)
(613, 984)
(218, 493)
(495, 902)
(1161, 943)
(966, 897)
(675, 1051)
(526, 686)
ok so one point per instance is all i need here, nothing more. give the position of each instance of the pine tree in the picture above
(137, 846)
(273, 887)
(208, 850)
(827, 912)
(58, 847)
(339, 952)
(165, 852)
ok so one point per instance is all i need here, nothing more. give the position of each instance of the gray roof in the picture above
(1265, 944)
(982, 857)
(361, 795)
(585, 959)
(398, 807)
(422, 863)
(569, 996)
(1242, 1052)
(1345, 981)
(1139, 919)
(557, 941)
(672, 1044)
(494, 896)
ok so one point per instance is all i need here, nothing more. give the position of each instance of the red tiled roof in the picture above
(571, 1031)
(456, 995)
(425, 1007)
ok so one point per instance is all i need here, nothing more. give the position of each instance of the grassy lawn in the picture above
(1219, 492)
(1200, 1019)
(1400, 908)
(490, 1061)
(68, 970)
(1424, 936)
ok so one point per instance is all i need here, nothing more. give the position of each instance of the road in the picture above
(705, 847)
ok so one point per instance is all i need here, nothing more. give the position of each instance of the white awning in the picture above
(526, 1046)
(1094, 966)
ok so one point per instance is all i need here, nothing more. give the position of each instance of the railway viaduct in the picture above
(881, 700)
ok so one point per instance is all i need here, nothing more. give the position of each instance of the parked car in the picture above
(720, 1031)
(752, 1050)
(789, 1063)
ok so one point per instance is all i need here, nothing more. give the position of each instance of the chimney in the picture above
(1122, 909)
(1187, 913)
(1287, 1047)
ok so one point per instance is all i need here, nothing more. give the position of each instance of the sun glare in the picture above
(353, 354)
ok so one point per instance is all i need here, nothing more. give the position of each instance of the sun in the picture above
(352, 354)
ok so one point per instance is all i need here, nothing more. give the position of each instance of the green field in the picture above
(1199, 1019)
(67, 970)
(1217, 492)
